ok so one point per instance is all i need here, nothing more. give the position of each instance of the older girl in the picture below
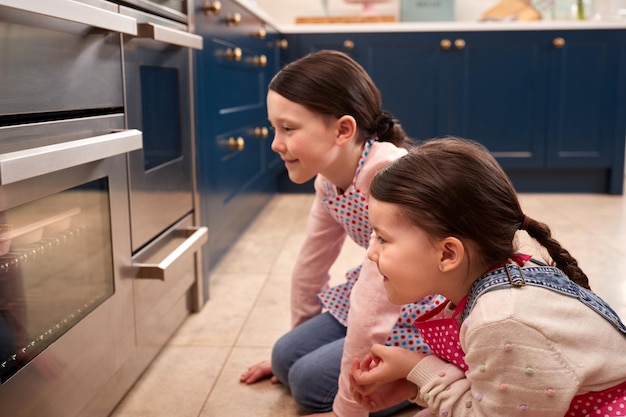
(329, 125)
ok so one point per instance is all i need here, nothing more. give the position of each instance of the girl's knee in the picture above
(310, 388)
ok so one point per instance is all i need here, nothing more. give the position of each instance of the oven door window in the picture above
(160, 115)
(56, 266)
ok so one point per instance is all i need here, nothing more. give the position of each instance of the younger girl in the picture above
(328, 121)
(518, 337)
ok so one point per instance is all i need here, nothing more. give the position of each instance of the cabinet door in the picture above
(406, 69)
(584, 92)
(496, 93)
(232, 73)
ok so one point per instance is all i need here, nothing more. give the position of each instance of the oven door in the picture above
(66, 292)
(158, 102)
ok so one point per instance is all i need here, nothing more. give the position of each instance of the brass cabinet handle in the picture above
(348, 44)
(459, 44)
(261, 33)
(259, 61)
(233, 19)
(234, 144)
(445, 44)
(558, 42)
(212, 7)
(261, 132)
(282, 44)
(234, 54)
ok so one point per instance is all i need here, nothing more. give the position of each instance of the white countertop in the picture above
(430, 26)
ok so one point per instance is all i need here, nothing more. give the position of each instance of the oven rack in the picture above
(10, 365)
(23, 254)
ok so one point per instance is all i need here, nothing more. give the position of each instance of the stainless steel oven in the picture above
(158, 102)
(67, 330)
(85, 304)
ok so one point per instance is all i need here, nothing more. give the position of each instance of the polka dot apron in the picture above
(350, 210)
(442, 335)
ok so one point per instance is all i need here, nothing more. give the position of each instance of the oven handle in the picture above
(169, 35)
(78, 13)
(159, 269)
(22, 165)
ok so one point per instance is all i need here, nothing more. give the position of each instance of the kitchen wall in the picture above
(284, 12)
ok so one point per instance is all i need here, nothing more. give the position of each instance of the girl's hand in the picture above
(385, 364)
(377, 397)
(379, 380)
(328, 414)
(258, 372)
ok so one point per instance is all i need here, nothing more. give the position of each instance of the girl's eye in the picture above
(380, 239)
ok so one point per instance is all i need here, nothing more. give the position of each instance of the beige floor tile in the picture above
(232, 296)
(230, 398)
(176, 384)
(270, 317)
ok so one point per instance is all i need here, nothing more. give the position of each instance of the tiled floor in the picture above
(197, 373)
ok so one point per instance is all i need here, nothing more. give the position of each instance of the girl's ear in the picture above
(346, 129)
(452, 253)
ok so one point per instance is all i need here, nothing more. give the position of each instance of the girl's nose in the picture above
(277, 145)
(372, 254)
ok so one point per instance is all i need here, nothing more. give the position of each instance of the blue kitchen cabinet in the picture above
(236, 167)
(546, 103)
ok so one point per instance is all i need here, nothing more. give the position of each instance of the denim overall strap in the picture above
(512, 275)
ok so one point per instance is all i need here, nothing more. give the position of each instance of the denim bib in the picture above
(512, 275)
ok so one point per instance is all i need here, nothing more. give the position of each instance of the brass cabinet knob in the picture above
(260, 60)
(558, 42)
(212, 7)
(261, 132)
(234, 54)
(459, 43)
(282, 44)
(445, 44)
(261, 33)
(233, 19)
(348, 44)
(236, 144)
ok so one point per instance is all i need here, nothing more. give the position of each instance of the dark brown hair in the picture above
(331, 83)
(455, 187)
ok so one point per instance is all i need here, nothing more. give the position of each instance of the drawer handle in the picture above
(259, 61)
(558, 42)
(158, 269)
(261, 33)
(261, 132)
(234, 54)
(78, 13)
(212, 7)
(169, 36)
(22, 165)
(282, 43)
(348, 44)
(233, 19)
(459, 44)
(233, 144)
(445, 44)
